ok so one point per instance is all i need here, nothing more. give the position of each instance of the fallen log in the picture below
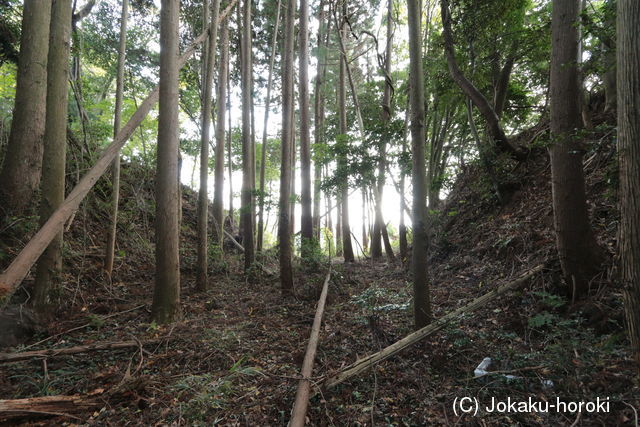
(299, 411)
(50, 405)
(371, 360)
(115, 345)
(20, 266)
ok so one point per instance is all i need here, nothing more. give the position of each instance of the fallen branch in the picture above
(50, 405)
(19, 267)
(369, 361)
(299, 411)
(14, 357)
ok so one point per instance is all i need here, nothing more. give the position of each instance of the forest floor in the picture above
(234, 358)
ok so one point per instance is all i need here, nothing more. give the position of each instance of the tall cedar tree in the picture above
(166, 297)
(318, 107)
(284, 237)
(578, 251)
(306, 221)
(20, 173)
(223, 74)
(246, 209)
(628, 78)
(117, 114)
(55, 142)
(209, 61)
(347, 248)
(263, 157)
(421, 300)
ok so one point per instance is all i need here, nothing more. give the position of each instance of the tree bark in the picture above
(246, 208)
(263, 157)
(421, 300)
(55, 138)
(493, 122)
(376, 247)
(284, 237)
(223, 75)
(166, 297)
(628, 79)
(347, 248)
(20, 173)
(203, 193)
(323, 40)
(578, 250)
(117, 114)
(306, 219)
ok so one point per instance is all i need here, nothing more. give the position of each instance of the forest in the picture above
(326, 212)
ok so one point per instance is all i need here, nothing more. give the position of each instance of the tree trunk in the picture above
(493, 122)
(376, 247)
(20, 173)
(577, 247)
(284, 237)
(209, 59)
(166, 297)
(306, 219)
(223, 75)
(229, 135)
(347, 248)
(115, 172)
(321, 73)
(421, 300)
(628, 79)
(55, 138)
(338, 227)
(263, 157)
(247, 155)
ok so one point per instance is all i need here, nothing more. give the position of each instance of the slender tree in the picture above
(578, 250)
(628, 79)
(421, 300)
(376, 247)
(318, 105)
(209, 60)
(223, 74)
(347, 248)
(267, 108)
(306, 221)
(284, 236)
(55, 133)
(494, 128)
(166, 297)
(117, 114)
(20, 174)
(248, 172)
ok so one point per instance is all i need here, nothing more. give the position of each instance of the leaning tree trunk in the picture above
(20, 173)
(284, 236)
(494, 127)
(166, 297)
(578, 250)
(209, 60)
(263, 157)
(306, 219)
(223, 74)
(115, 172)
(246, 209)
(55, 137)
(629, 156)
(421, 301)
